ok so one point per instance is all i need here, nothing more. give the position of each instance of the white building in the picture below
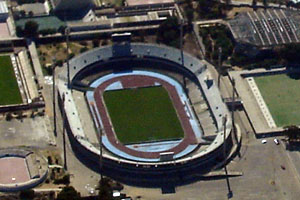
(3, 11)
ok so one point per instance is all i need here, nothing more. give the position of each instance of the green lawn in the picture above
(9, 89)
(143, 114)
(282, 95)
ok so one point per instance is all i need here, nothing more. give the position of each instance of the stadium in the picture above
(144, 114)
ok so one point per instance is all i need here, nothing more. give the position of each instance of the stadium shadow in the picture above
(171, 177)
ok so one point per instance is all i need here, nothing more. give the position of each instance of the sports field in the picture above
(143, 115)
(10, 93)
(282, 96)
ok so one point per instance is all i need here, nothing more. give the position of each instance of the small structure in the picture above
(3, 11)
(21, 169)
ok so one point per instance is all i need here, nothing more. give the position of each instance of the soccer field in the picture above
(10, 93)
(143, 115)
(282, 96)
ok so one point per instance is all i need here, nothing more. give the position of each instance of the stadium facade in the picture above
(89, 70)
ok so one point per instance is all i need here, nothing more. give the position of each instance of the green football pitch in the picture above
(282, 96)
(10, 93)
(142, 115)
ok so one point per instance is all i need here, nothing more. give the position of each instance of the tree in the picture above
(169, 32)
(189, 12)
(68, 193)
(254, 3)
(289, 53)
(27, 194)
(31, 29)
(95, 43)
(292, 133)
(105, 189)
(265, 3)
(30, 14)
(19, 31)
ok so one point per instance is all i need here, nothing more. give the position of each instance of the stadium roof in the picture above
(3, 7)
(266, 28)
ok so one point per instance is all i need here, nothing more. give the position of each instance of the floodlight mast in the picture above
(220, 65)
(229, 194)
(53, 95)
(64, 130)
(67, 33)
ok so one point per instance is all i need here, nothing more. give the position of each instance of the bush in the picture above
(48, 31)
(83, 49)
(68, 193)
(8, 117)
(64, 180)
(95, 43)
(49, 160)
(71, 55)
(19, 31)
(59, 63)
(83, 43)
(169, 32)
(27, 194)
(31, 28)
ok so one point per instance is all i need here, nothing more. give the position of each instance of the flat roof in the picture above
(3, 7)
(4, 32)
(147, 2)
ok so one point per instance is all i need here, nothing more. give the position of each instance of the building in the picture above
(265, 29)
(72, 5)
(3, 11)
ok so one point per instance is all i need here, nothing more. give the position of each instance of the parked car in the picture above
(276, 141)
(264, 141)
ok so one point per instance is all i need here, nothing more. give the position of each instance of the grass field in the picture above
(143, 114)
(282, 95)
(9, 89)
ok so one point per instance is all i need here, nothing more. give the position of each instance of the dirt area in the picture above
(58, 51)
(190, 46)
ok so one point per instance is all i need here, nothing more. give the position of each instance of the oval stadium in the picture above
(144, 114)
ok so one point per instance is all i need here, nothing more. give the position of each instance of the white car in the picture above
(264, 141)
(276, 141)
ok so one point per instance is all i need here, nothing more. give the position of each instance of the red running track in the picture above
(135, 81)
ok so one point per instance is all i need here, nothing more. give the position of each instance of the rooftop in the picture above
(3, 7)
(266, 28)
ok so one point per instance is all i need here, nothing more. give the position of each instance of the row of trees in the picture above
(169, 32)
(31, 29)
(286, 55)
(68, 192)
(215, 37)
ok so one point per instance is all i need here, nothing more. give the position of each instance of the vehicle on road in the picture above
(276, 141)
(264, 141)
